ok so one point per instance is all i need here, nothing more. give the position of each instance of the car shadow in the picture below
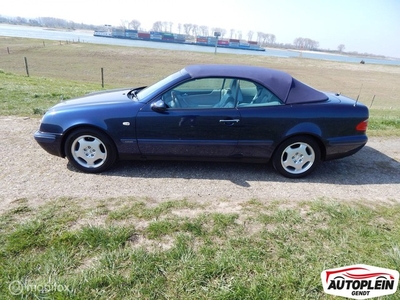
(368, 166)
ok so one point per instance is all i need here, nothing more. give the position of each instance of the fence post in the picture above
(102, 78)
(26, 66)
(8, 50)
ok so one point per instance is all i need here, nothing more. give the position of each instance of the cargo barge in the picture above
(166, 37)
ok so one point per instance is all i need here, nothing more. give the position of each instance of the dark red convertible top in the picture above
(284, 86)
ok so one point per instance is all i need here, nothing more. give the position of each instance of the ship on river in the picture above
(166, 37)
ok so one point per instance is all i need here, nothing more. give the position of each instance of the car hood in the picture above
(96, 99)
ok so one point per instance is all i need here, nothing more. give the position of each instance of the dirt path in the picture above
(27, 171)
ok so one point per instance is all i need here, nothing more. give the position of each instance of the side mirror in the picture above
(159, 106)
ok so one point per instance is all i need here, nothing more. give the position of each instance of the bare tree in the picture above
(259, 36)
(232, 32)
(165, 26)
(250, 35)
(195, 30)
(179, 28)
(124, 24)
(204, 30)
(341, 47)
(298, 42)
(157, 26)
(188, 28)
(134, 24)
(272, 38)
(170, 26)
(305, 43)
(51, 22)
(223, 32)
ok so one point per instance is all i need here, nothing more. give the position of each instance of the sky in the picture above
(365, 26)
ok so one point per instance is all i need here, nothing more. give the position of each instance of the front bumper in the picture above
(51, 142)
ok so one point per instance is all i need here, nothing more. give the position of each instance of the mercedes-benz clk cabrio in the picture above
(208, 112)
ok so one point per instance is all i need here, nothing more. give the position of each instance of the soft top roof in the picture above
(284, 86)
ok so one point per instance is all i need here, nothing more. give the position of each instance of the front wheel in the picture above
(90, 150)
(297, 157)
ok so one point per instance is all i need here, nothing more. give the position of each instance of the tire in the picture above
(90, 150)
(297, 157)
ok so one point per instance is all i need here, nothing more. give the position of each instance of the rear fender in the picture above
(302, 128)
(308, 129)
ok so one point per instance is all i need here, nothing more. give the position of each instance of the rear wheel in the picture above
(90, 150)
(297, 157)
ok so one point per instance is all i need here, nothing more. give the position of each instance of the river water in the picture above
(87, 37)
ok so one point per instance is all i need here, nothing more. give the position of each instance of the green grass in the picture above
(384, 122)
(29, 96)
(267, 251)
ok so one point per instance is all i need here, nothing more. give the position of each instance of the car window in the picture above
(201, 93)
(255, 94)
(153, 89)
(218, 93)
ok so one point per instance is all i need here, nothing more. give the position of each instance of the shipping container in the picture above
(201, 40)
(223, 42)
(180, 37)
(118, 33)
(177, 38)
(144, 35)
(211, 40)
(129, 33)
(155, 36)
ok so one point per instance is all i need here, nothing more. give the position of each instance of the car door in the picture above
(264, 119)
(200, 128)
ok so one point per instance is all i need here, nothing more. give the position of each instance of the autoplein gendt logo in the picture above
(360, 281)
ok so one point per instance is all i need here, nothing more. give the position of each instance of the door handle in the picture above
(229, 121)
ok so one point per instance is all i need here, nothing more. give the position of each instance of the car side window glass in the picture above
(255, 94)
(202, 93)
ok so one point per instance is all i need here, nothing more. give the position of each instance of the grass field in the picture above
(129, 248)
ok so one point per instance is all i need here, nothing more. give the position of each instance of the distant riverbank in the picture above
(87, 37)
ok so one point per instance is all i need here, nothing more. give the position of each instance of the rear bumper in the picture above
(344, 146)
(51, 142)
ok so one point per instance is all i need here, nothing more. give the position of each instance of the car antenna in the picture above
(358, 95)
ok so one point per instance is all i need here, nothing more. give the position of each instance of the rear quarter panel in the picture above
(331, 122)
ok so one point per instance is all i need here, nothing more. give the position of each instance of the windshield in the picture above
(157, 88)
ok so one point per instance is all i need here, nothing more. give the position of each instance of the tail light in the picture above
(362, 126)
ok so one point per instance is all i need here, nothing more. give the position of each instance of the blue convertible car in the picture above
(208, 112)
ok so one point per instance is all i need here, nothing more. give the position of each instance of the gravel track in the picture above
(27, 171)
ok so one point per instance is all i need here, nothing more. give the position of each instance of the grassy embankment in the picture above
(126, 248)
